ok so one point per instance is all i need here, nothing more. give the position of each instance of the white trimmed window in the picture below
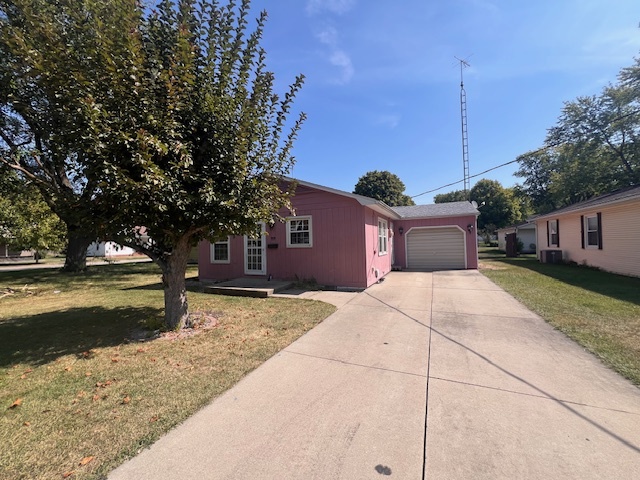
(299, 232)
(220, 252)
(591, 231)
(382, 236)
(553, 233)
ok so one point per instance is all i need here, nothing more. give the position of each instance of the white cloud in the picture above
(390, 121)
(340, 59)
(338, 7)
(337, 56)
(328, 36)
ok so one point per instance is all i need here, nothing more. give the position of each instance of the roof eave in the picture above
(562, 211)
(423, 217)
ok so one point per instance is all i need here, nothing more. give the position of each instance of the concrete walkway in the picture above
(501, 394)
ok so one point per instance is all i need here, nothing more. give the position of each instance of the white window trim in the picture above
(551, 244)
(300, 245)
(212, 252)
(385, 228)
(586, 232)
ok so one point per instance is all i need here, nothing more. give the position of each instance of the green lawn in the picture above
(599, 310)
(79, 393)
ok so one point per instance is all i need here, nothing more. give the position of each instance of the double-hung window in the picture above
(382, 236)
(299, 232)
(553, 233)
(220, 252)
(592, 231)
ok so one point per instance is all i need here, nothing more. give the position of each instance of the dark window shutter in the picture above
(582, 230)
(548, 235)
(558, 232)
(599, 214)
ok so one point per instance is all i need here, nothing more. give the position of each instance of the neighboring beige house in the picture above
(526, 232)
(602, 232)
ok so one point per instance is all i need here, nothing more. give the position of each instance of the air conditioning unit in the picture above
(551, 256)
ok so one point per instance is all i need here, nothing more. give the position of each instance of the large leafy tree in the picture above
(183, 137)
(499, 206)
(454, 196)
(62, 66)
(384, 186)
(593, 148)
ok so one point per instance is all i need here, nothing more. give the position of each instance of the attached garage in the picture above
(436, 248)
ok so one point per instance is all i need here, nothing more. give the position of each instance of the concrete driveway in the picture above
(427, 375)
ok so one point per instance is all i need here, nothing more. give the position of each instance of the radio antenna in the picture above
(463, 117)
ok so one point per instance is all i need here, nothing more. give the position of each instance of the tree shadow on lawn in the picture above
(40, 339)
(611, 285)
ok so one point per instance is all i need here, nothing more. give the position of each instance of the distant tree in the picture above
(454, 196)
(593, 148)
(167, 117)
(383, 186)
(26, 221)
(501, 207)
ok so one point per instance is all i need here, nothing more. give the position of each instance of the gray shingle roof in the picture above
(436, 210)
(606, 199)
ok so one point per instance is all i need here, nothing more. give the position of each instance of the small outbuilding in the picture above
(525, 232)
(344, 240)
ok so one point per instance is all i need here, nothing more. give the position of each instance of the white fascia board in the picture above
(586, 208)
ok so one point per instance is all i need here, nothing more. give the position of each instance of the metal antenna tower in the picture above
(465, 137)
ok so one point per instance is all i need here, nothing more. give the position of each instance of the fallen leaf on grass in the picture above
(67, 369)
(154, 419)
(68, 474)
(126, 400)
(88, 374)
(114, 359)
(26, 372)
(27, 424)
(17, 403)
(86, 460)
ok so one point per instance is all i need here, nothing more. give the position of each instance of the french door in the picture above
(255, 253)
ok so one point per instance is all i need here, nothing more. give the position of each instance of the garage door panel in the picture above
(436, 248)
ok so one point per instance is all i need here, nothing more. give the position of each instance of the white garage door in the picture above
(440, 248)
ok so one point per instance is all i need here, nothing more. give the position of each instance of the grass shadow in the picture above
(611, 285)
(40, 339)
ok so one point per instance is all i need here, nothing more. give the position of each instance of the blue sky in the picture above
(382, 87)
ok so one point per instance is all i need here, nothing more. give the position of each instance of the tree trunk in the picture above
(76, 259)
(174, 269)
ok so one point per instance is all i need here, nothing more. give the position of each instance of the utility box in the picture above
(551, 256)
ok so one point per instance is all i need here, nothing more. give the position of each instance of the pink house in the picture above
(345, 240)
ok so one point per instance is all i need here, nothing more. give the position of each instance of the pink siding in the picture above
(462, 222)
(377, 265)
(345, 244)
(336, 257)
(620, 233)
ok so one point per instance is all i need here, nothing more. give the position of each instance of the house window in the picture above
(553, 233)
(591, 231)
(299, 232)
(220, 252)
(382, 236)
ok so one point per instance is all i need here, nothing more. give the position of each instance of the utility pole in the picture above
(465, 137)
